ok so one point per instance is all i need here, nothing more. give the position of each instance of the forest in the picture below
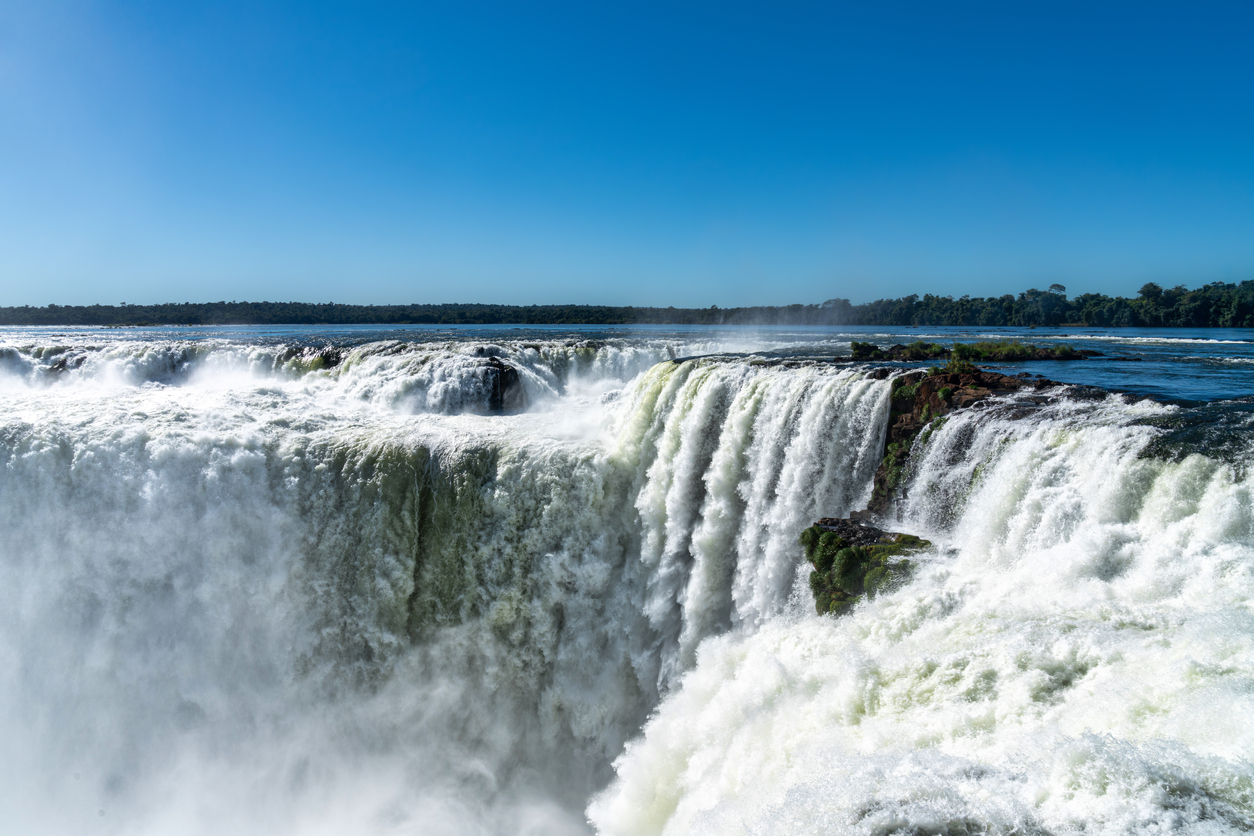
(1215, 305)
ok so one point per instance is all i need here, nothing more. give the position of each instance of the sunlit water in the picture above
(251, 585)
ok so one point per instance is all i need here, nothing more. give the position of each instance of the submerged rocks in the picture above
(852, 558)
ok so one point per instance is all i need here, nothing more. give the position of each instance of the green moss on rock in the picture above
(852, 559)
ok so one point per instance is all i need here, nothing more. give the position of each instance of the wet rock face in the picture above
(328, 357)
(505, 389)
(852, 558)
(920, 401)
(67, 363)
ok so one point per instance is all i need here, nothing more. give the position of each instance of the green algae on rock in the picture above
(852, 558)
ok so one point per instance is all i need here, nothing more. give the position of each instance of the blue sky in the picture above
(671, 154)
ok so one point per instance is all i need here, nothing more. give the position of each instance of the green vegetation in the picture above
(844, 571)
(1213, 305)
(1011, 350)
(903, 389)
(935, 425)
(893, 463)
(961, 355)
(955, 366)
(917, 350)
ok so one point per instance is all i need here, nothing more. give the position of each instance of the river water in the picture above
(304, 580)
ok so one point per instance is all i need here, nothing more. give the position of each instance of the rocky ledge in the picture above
(1004, 351)
(852, 558)
(921, 399)
(505, 389)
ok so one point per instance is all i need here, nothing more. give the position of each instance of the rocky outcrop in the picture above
(921, 399)
(327, 357)
(67, 363)
(852, 558)
(990, 352)
(312, 359)
(505, 389)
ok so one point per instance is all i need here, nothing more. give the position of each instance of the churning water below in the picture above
(308, 581)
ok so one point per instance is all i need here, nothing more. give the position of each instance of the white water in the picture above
(1077, 658)
(242, 593)
(264, 604)
(442, 378)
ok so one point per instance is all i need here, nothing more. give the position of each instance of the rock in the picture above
(326, 358)
(852, 558)
(66, 363)
(920, 400)
(505, 389)
(988, 351)
(915, 351)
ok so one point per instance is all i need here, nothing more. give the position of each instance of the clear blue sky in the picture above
(620, 153)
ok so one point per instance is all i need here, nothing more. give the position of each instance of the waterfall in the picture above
(271, 589)
(1075, 656)
(286, 587)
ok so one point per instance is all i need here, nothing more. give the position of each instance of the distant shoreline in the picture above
(1215, 305)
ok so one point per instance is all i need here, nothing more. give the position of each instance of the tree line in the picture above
(1215, 305)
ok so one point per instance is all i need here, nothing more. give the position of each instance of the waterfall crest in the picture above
(332, 614)
(1075, 656)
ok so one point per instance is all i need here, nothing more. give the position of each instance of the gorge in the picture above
(536, 582)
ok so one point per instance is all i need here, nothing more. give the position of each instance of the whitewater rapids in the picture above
(271, 588)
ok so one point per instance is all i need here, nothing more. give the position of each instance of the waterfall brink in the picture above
(536, 587)
(241, 596)
(1076, 656)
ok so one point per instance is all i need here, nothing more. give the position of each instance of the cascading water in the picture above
(1076, 657)
(241, 596)
(306, 588)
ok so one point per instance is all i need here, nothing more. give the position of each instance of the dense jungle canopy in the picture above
(1217, 305)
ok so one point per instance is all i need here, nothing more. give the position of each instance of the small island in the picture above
(1002, 351)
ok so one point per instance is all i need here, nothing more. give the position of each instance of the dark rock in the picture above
(920, 400)
(505, 389)
(851, 557)
(915, 351)
(327, 358)
(66, 363)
